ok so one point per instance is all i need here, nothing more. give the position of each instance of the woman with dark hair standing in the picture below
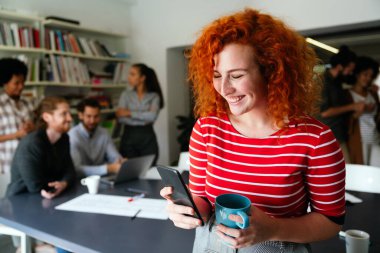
(364, 138)
(138, 109)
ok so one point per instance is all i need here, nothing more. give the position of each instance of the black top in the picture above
(37, 162)
(333, 95)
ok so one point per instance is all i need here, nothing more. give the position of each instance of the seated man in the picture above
(91, 146)
(42, 162)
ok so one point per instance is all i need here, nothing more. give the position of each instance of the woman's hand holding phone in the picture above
(182, 216)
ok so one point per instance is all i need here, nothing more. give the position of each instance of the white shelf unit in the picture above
(17, 16)
(111, 39)
(83, 56)
(26, 50)
(77, 28)
(76, 85)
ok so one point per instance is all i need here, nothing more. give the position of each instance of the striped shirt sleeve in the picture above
(325, 176)
(198, 161)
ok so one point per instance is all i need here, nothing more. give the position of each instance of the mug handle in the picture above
(83, 181)
(245, 218)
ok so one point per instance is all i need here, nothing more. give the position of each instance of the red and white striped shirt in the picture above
(281, 173)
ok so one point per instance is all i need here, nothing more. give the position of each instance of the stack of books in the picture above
(64, 41)
(11, 34)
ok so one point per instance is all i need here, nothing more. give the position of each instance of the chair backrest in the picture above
(184, 161)
(362, 178)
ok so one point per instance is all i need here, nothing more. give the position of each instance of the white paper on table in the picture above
(116, 205)
(353, 199)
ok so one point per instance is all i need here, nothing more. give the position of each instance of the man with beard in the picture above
(92, 149)
(42, 162)
(15, 114)
(336, 105)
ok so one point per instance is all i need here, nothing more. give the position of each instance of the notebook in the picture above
(131, 169)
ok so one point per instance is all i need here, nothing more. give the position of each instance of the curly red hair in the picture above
(286, 63)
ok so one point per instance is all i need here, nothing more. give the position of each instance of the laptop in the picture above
(130, 170)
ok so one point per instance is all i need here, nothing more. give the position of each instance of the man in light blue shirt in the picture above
(92, 149)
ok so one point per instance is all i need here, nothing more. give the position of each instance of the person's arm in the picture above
(305, 229)
(26, 128)
(177, 213)
(16, 135)
(87, 170)
(150, 115)
(122, 111)
(112, 155)
(334, 111)
(29, 157)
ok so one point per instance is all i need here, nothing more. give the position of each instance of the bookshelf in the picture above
(65, 59)
(77, 28)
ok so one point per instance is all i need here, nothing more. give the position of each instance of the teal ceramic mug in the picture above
(231, 203)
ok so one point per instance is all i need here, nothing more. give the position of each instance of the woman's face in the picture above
(60, 119)
(364, 78)
(238, 80)
(134, 77)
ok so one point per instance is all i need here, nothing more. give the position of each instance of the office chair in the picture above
(25, 240)
(362, 178)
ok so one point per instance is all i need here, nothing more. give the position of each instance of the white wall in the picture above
(106, 15)
(163, 24)
(157, 25)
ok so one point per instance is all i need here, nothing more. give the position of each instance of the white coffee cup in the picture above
(92, 183)
(357, 241)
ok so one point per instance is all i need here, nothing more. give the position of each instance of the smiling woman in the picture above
(254, 90)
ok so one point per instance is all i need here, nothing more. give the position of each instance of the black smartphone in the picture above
(49, 189)
(181, 194)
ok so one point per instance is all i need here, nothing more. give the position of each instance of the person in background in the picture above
(137, 111)
(254, 90)
(16, 113)
(91, 147)
(336, 106)
(364, 139)
(42, 162)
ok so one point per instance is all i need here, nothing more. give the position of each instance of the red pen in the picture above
(139, 196)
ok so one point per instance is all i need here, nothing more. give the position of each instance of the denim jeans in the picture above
(207, 241)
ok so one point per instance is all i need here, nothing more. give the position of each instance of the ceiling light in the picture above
(322, 45)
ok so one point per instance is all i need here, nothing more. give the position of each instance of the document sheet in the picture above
(353, 199)
(117, 205)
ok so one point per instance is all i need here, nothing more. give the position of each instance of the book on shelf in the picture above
(15, 34)
(36, 37)
(68, 70)
(12, 34)
(120, 73)
(65, 41)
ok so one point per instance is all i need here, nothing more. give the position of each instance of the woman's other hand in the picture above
(261, 228)
(178, 213)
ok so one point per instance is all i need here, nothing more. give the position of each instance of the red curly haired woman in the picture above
(254, 91)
